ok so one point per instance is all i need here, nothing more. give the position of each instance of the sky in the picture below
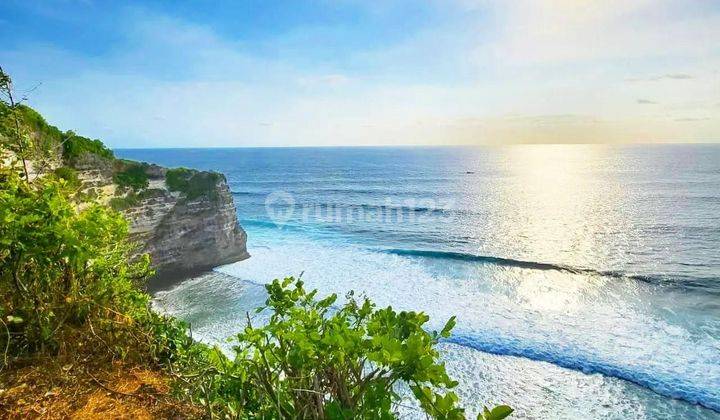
(368, 72)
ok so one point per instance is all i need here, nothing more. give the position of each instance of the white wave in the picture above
(581, 322)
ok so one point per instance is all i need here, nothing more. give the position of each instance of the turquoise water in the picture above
(586, 279)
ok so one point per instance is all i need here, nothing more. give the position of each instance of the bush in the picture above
(177, 179)
(69, 175)
(124, 203)
(193, 184)
(60, 267)
(314, 360)
(132, 176)
(39, 139)
(75, 146)
(132, 199)
(45, 137)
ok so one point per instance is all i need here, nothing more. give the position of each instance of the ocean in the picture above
(585, 278)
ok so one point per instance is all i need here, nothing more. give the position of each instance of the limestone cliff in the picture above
(187, 235)
(185, 219)
(186, 231)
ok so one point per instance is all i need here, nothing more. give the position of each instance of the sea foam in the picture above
(585, 323)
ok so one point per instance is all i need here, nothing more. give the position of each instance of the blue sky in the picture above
(346, 72)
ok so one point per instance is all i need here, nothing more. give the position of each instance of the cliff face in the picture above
(184, 233)
(186, 236)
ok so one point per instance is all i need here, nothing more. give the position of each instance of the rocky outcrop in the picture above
(187, 236)
(184, 234)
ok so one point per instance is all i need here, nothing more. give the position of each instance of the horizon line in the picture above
(409, 146)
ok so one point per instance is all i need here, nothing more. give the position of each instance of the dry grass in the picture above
(83, 388)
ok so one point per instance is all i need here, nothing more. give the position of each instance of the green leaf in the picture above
(449, 325)
(498, 413)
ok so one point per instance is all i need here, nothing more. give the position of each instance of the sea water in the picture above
(585, 279)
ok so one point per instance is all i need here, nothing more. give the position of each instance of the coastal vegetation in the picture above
(192, 183)
(75, 146)
(72, 302)
(69, 175)
(132, 198)
(133, 175)
(68, 273)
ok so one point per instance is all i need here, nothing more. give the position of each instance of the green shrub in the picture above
(207, 376)
(39, 139)
(193, 184)
(177, 179)
(42, 140)
(125, 202)
(67, 273)
(59, 267)
(37, 124)
(69, 175)
(132, 176)
(75, 146)
(133, 199)
(314, 360)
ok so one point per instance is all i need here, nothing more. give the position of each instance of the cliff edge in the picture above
(185, 219)
(186, 232)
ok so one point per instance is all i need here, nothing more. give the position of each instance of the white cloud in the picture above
(538, 71)
(536, 32)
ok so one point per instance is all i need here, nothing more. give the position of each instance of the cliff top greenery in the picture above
(74, 146)
(41, 139)
(133, 175)
(193, 184)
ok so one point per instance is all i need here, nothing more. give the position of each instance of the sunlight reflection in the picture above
(561, 204)
(555, 292)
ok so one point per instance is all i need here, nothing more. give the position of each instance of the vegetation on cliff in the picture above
(193, 183)
(75, 146)
(26, 134)
(132, 175)
(60, 266)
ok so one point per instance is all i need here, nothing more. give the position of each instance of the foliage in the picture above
(69, 175)
(313, 361)
(26, 133)
(177, 178)
(47, 136)
(60, 267)
(64, 270)
(193, 184)
(498, 413)
(7, 124)
(132, 199)
(124, 202)
(206, 376)
(133, 175)
(15, 136)
(75, 146)
(12, 136)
